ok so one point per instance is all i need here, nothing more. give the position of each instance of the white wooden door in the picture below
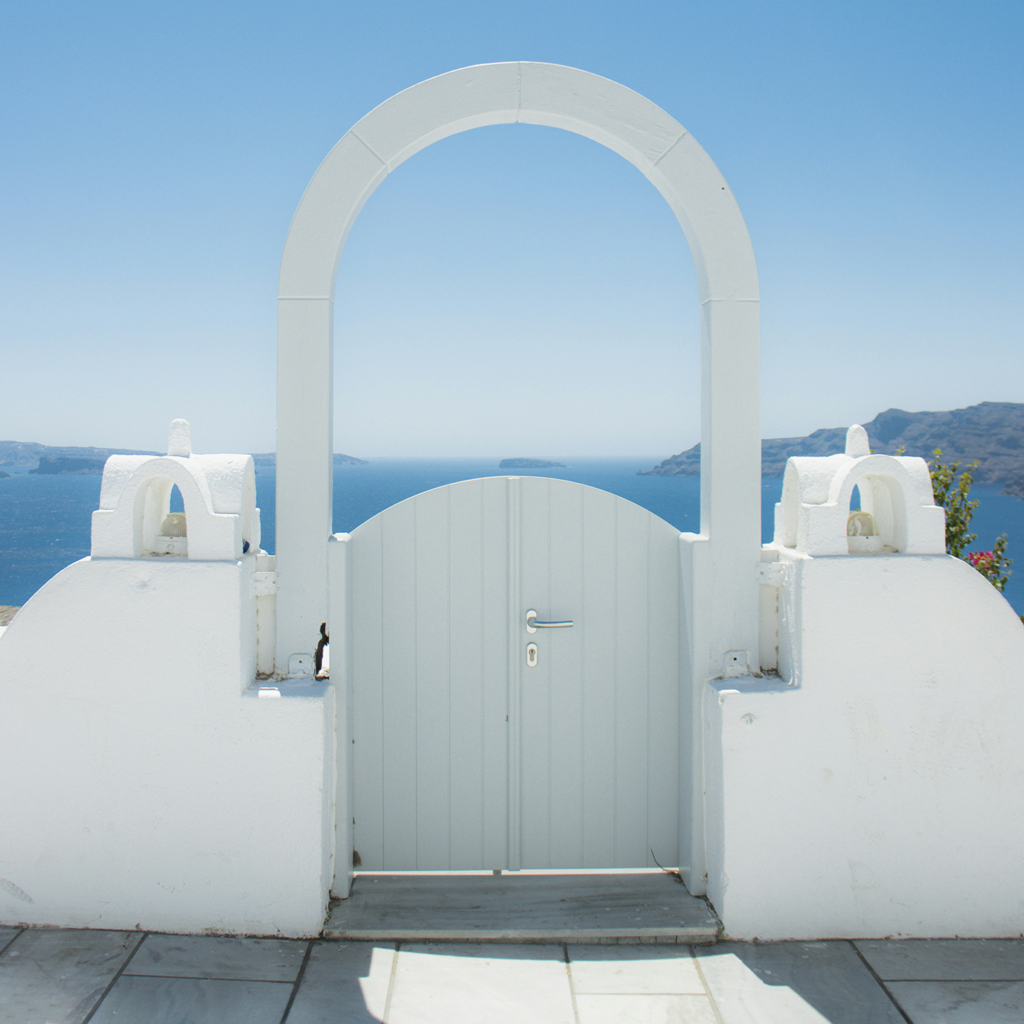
(464, 755)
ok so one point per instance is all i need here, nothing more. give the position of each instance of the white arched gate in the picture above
(479, 744)
(716, 567)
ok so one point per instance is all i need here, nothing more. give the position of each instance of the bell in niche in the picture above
(862, 537)
(173, 537)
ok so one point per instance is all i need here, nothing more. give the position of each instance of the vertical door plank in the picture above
(663, 709)
(399, 657)
(466, 697)
(564, 648)
(516, 670)
(535, 698)
(366, 687)
(631, 679)
(598, 709)
(495, 669)
(433, 698)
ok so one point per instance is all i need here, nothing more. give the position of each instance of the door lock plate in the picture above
(531, 655)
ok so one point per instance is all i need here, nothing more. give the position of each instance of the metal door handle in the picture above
(532, 625)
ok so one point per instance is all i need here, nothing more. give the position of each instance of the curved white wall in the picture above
(881, 792)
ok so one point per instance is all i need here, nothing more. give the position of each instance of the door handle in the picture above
(532, 625)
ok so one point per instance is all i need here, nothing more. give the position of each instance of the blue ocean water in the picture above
(45, 520)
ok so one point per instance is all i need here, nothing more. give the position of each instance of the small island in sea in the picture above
(530, 464)
(65, 466)
(270, 459)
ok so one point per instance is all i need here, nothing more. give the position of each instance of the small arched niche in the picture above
(160, 520)
(877, 523)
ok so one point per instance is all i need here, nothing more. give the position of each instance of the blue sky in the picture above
(513, 290)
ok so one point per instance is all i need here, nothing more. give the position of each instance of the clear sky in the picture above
(513, 290)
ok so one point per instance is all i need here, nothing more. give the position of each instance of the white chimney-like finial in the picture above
(857, 444)
(179, 443)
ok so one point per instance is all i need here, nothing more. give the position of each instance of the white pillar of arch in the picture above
(724, 605)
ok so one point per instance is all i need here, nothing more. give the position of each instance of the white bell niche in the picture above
(220, 519)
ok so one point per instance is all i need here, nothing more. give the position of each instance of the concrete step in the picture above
(522, 907)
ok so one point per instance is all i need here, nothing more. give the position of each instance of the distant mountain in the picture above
(28, 453)
(68, 459)
(992, 433)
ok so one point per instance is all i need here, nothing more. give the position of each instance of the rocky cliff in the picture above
(991, 433)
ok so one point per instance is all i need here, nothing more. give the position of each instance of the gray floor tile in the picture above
(6, 934)
(490, 984)
(51, 975)
(135, 1000)
(216, 956)
(946, 959)
(653, 1009)
(961, 1002)
(794, 983)
(634, 969)
(344, 983)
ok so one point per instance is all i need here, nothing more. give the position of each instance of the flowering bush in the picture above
(993, 565)
(952, 495)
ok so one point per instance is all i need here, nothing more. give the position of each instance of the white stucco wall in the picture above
(147, 780)
(881, 791)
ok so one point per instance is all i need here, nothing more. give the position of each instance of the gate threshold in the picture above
(631, 907)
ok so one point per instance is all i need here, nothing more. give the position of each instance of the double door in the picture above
(484, 739)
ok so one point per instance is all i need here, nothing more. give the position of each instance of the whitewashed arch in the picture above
(656, 144)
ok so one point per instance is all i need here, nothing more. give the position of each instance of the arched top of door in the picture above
(527, 93)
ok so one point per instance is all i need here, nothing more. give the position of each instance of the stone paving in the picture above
(55, 976)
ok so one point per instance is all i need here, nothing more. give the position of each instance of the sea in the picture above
(45, 520)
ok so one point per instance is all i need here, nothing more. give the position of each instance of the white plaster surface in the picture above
(848, 800)
(153, 787)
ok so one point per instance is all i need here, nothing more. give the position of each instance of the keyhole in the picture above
(531, 655)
